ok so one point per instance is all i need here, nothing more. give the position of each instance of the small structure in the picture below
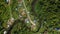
(8, 26)
(10, 21)
(23, 9)
(7, 1)
(45, 22)
(20, 16)
(46, 32)
(58, 29)
(35, 21)
(5, 32)
(28, 12)
(27, 20)
(19, 1)
(33, 27)
(20, 5)
(16, 9)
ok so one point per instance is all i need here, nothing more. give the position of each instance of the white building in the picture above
(5, 32)
(7, 1)
(27, 20)
(8, 26)
(35, 21)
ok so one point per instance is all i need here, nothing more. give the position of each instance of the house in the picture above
(5, 32)
(58, 29)
(7, 0)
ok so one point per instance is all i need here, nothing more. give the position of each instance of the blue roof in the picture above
(57, 28)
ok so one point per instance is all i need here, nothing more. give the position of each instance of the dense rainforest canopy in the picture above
(30, 16)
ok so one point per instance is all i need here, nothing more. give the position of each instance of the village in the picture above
(29, 17)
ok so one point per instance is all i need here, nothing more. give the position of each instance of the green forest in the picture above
(29, 16)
